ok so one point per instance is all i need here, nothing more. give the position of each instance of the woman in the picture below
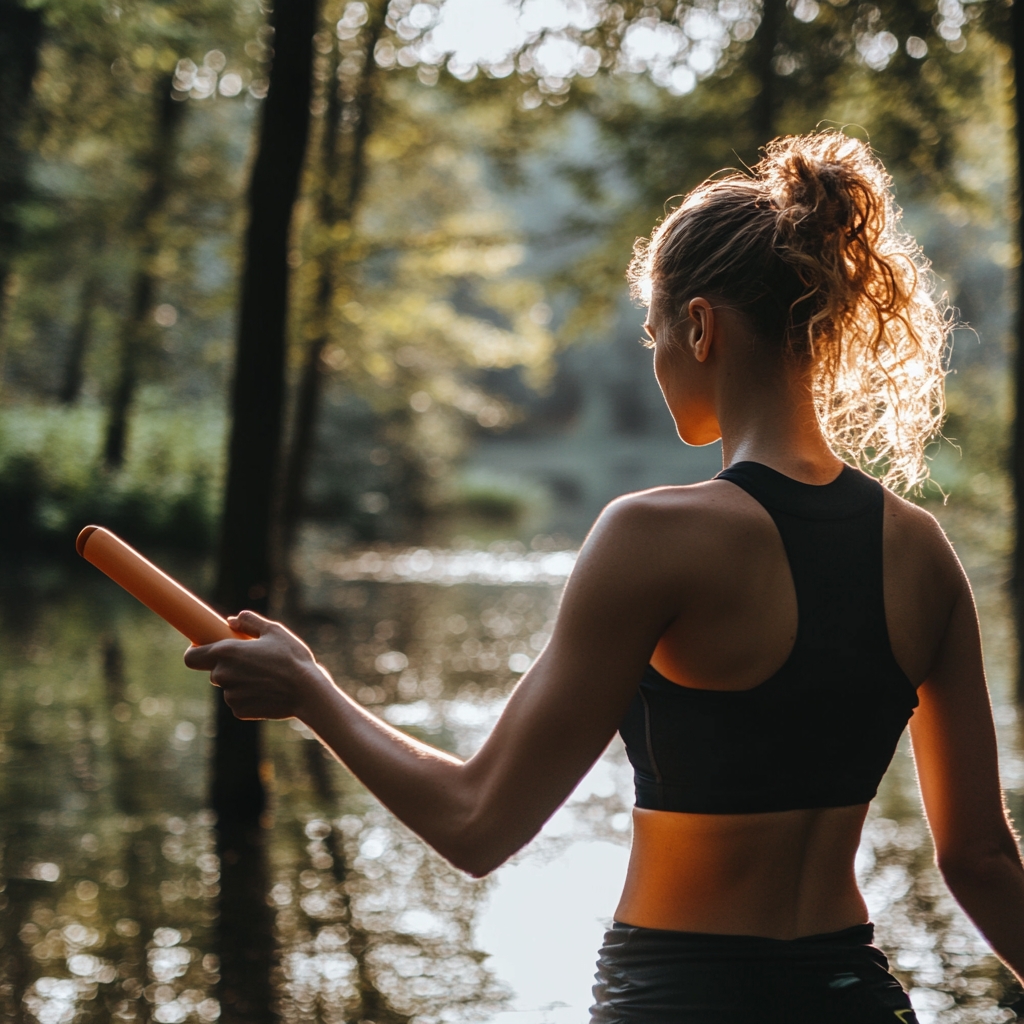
(783, 622)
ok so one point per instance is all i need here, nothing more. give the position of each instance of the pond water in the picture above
(112, 902)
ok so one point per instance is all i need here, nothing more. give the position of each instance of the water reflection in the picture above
(122, 901)
(84, 938)
(374, 927)
(245, 936)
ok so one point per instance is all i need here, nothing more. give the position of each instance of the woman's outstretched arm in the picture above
(955, 751)
(620, 598)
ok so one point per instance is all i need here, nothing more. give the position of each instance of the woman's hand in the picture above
(271, 676)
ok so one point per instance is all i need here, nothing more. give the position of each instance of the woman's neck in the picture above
(771, 419)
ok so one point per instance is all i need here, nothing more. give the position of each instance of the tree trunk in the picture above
(1017, 16)
(134, 335)
(21, 32)
(137, 327)
(344, 174)
(296, 463)
(245, 574)
(245, 571)
(74, 366)
(307, 403)
(765, 107)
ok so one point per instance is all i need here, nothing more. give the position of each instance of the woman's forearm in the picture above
(430, 791)
(476, 813)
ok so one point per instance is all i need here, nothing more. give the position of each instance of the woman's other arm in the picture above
(622, 594)
(955, 749)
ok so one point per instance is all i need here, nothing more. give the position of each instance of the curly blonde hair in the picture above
(808, 246)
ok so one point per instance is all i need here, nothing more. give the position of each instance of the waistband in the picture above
(654, 944)
(855, 935)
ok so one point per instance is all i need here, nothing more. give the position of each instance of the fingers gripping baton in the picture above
(155, 589)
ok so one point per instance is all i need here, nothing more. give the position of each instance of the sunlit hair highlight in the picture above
(808, 246)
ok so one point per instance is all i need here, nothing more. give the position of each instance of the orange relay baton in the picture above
(154, 588)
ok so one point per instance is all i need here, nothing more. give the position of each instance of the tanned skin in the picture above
(694, 580)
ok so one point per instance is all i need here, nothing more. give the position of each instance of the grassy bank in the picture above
(53, 482)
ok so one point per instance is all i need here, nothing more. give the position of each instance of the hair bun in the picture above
(823, 185)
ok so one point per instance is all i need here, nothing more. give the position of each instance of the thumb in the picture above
(249, 623)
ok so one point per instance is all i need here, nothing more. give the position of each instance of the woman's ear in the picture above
(702, 328)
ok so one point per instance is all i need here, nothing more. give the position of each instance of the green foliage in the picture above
(104, 69)
(970, 463)
(413, 271)
(920, 114)
(493, 499)
(52, 482)
(423, 294)
(429, 280)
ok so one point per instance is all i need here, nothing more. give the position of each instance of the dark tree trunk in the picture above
(245, 573)
(137, 327)
(1017, 15)
(766, 103)
(21, 32)
(125, 784)
(74, 366)
(296, 463)
(245, 927)
(307, 403)
(22, 894)
(344, 173)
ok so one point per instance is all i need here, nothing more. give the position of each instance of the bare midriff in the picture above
(781, 874)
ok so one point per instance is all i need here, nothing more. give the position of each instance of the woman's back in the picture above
(776, 873)
(738, 612)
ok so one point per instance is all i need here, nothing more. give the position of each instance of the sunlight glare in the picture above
(476, 32)
(486, 32)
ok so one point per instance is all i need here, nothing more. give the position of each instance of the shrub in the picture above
(52, 481)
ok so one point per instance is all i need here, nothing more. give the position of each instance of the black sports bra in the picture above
(822, 730)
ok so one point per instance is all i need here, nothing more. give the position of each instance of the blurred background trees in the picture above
(475, 177)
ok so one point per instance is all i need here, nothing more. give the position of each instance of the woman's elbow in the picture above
(480, 847)
(477, 856)
(978, 866)
(478, 867)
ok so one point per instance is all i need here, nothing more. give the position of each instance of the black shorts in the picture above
(648, 976)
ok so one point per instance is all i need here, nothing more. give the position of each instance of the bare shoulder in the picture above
(914, 537)
(923, 583)
(676, 532)
(692, 501)
(651, 551)
(703, 511)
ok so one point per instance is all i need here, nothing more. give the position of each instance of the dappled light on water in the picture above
(114, 900)
(501, 564)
